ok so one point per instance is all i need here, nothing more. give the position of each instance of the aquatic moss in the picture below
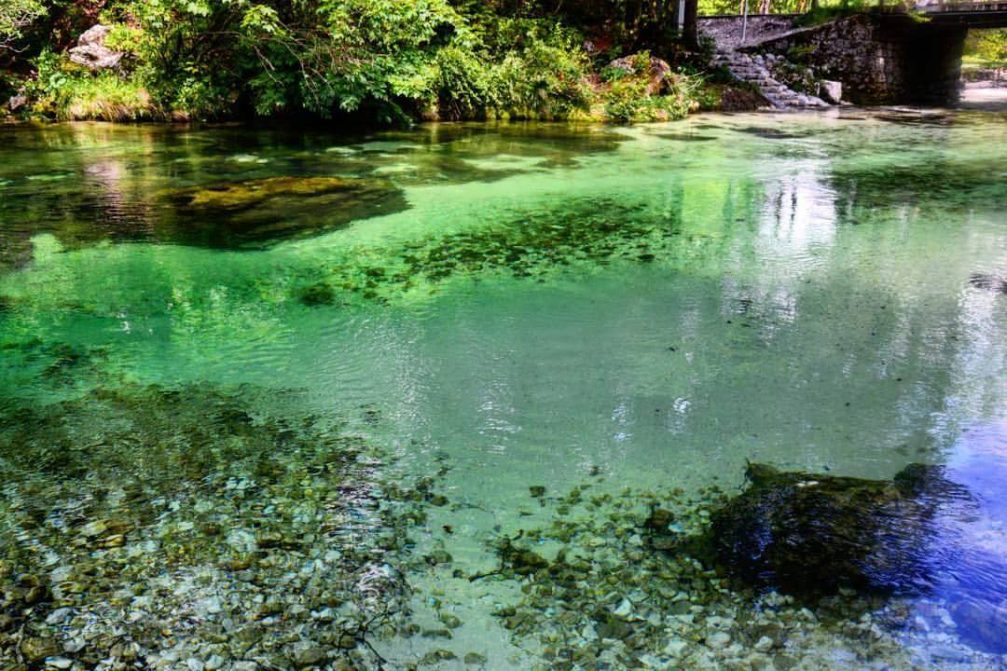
(931, 180)
(533, 246)
(258, 213)
(242, 195)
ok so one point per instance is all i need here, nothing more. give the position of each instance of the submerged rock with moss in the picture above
(812, 534)
(260, 211)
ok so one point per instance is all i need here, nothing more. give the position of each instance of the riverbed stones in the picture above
(121, 572)
(35, 649)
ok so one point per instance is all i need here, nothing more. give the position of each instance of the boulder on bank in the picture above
(91, 51)
(830, 91)
(656, 70)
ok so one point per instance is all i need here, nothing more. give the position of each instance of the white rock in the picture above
(59, 615)
(675, 647)
(764, 644)
(718, 640)
(210, 606)
(831, 92)
(74, 646)
(625, 608)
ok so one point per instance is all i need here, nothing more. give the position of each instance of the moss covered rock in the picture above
(254, 213)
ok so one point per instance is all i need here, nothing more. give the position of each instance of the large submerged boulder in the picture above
(258, 212)
(919, 534)
(813, 534)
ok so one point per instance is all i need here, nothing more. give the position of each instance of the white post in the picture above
(744, 22)
(681, 16)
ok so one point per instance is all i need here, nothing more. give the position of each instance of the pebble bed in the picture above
(607, 584)
(181, 529)
(188, 530)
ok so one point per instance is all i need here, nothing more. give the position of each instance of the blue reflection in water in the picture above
(974, 538)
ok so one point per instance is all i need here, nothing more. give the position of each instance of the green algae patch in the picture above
(933, 180)
(256, 213)
(241, 195)
(536, 245)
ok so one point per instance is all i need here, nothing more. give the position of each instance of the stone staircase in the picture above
(755, 70)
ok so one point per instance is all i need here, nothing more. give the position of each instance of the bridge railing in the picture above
(938, 6)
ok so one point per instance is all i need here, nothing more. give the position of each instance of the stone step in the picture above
(756, 71)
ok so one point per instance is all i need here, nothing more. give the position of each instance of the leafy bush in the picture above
(628, 101)
(390, 61)
(544, 76)
(988, 47)
(15, 16)
(68, 92)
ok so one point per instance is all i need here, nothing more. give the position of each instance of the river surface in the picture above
(486, 319)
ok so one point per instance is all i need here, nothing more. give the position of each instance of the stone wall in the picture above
(726, 30)
(880, 59)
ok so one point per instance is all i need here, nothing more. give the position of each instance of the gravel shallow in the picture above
(190, 530)
(600, 586)
(181, 529)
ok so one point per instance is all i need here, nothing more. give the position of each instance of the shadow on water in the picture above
(930, 179)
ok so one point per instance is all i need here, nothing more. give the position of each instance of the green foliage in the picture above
(15, 16)
(389, 61)
(800, 53)
(545, 76)
(630, 101)
(66, 92)
(987, 47)
(796, 76)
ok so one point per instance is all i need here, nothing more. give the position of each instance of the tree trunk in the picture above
(691, 28)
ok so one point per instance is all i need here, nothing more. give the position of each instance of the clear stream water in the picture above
(647, 308)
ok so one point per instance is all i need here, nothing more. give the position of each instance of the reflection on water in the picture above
(509, 310)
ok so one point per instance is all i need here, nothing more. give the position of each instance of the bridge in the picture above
(968, 14)
(885, 55)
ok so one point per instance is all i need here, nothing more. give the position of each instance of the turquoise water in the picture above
(495, 308)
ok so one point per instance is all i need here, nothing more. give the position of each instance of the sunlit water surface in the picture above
(822, 293)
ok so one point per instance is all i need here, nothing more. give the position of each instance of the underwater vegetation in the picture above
(532, 245)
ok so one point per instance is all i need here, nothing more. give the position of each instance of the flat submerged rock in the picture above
(258, 212)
